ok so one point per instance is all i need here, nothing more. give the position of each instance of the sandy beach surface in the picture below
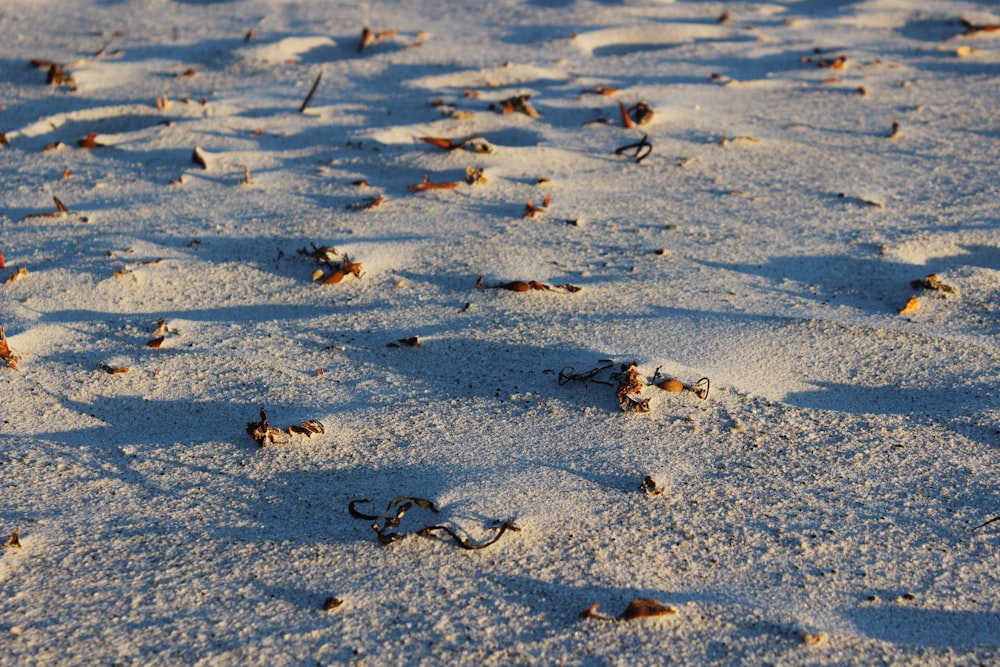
(405, 333)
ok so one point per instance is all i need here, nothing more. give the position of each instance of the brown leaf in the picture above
(6, 353)
(89, 141)
(17, 275)
(13, 541)
(645, 607)
(155, 343)
(626, 119)
(59, 205)
(427, 185)
(446, 144)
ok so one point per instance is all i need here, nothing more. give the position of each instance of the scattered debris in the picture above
(569, 374)
(6, 354)
(263, 433)
(60, 211)
(391, 520)
(673, 385)
(895, 130)
(367, 204)
(339, 264)
(650, 487)
(331, 603)
(161, 334)
(516, 104)
(862, 200)
(412, 341)
(475, 176)
(369, 37)
(813, 638)
(629, 386)
(474, 143)
(974, 29)
(604, 91)
(427, 185)
(246, 180)
(526, 286)
(112, 370)
(638, 608)
(532, 211)
(932, 283)
(14, 540)
(639, 113)
(643, 148)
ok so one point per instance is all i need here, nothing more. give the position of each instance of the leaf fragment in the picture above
(6, 354)
(112, 370)
(912, 305)
(89, 141)
(638, 608)
(428, 185)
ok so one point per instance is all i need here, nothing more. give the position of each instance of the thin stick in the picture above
(312, 91)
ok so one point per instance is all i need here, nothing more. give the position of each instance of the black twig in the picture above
(312, 91)
(639, 155)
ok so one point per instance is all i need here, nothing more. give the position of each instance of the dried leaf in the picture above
(368, 204)
(911, 306)
(263, 433)
(155, 343)
(6, 353)
(112, 370)
(17, 275)
(646, 607)
(518, 104)
(3, 139)
(629, 386)
(412, 341)
(427, 185)
(2, 264)
(13, 541)
(332, 603)
(650, 487)
(445, 144)
(89, 141)
(474, 176)
(308, 428)
(626, 119)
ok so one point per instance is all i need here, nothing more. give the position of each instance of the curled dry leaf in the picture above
(6, 354)
(17, 275)
(332, 603)
(155, 343)
(532, 211)
(638, 608)
(911, 306)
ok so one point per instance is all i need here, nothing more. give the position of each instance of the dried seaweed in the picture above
(529, 285)
(643, 148)
(263, 433)
(629, 386)
(397, 509)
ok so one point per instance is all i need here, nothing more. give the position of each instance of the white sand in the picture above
(830, 487)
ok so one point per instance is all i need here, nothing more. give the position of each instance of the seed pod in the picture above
(672, 385)
(334, 278)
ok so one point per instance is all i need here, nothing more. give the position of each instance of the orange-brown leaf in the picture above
(89, 141)
(445, 144)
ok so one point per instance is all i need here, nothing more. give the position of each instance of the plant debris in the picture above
(390, 521)
(367, 204)
(912, 306)
(895, 134)
(569, 374)
(14, 540)
(629, 386)
(650, 487)
(532, 211)
(973, 29)
(263, 433)
(331, 603)
(640, 146)
(474, 143)
(6, 354)
(526, 286)
(17, 275)
(89, 141)
(369, 37)
(161, 334)
(639, 113)
(516, 104)
(312, 91)
(112, 370)
(475, 176)
(604, 91)
(933, 283)
(412, 341)
(60, 211)
(340, 266)
(638, 608)
(427, 185)
(673, 385)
